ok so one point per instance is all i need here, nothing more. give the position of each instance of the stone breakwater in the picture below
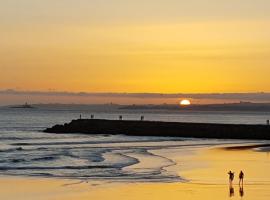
(170, 129)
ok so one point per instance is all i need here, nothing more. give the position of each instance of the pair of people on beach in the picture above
(241, 177)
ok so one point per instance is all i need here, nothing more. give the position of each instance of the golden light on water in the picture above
(185, 102)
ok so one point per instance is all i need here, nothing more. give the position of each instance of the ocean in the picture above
(26, 151)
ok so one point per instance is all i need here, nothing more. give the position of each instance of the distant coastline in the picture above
(164, 129)
(241, 106)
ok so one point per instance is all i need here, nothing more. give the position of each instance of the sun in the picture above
(185, 102)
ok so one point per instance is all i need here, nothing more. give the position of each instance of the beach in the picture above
(134, 100)
(46, 166)
(204, 172)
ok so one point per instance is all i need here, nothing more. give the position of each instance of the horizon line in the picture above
(128, 94)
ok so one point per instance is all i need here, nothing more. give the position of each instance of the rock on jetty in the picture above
(170, 129)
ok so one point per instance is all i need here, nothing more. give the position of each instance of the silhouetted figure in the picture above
(142, 118)
(241, 178)
(120, 117)
(231, 191)
(268, 122)
(92, 116)
(80, 116)
(231, 177)
(241, 191)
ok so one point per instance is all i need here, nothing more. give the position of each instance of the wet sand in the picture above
(205, 171)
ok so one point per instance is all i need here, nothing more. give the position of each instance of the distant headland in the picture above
(164, 129)
(241, 106)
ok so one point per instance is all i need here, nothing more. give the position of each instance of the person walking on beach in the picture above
(241, 178)
(231, 177)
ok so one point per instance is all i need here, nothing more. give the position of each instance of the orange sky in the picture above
(118, 46)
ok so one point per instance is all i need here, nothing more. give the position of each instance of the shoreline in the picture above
(206, 182)
(158, 128)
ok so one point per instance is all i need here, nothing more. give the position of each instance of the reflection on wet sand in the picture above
(231, 191)
(241, 191)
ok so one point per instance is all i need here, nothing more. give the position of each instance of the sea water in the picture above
(26, 151)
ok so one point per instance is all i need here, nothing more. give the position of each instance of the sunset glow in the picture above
(135, 99)
(185, 102)
(135, 46)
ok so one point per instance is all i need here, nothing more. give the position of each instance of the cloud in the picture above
(260, 96)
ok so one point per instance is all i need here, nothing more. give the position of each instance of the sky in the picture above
(159, 46)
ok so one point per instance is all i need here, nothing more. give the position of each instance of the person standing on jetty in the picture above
(241, 178)
(231, 177)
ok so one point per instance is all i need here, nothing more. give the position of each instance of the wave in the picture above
(51, 168)
(6, 150)
(93, 142)
(114, 158)
(112, 164)
(46, 158)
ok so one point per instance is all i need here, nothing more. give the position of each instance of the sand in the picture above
(208, 180)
